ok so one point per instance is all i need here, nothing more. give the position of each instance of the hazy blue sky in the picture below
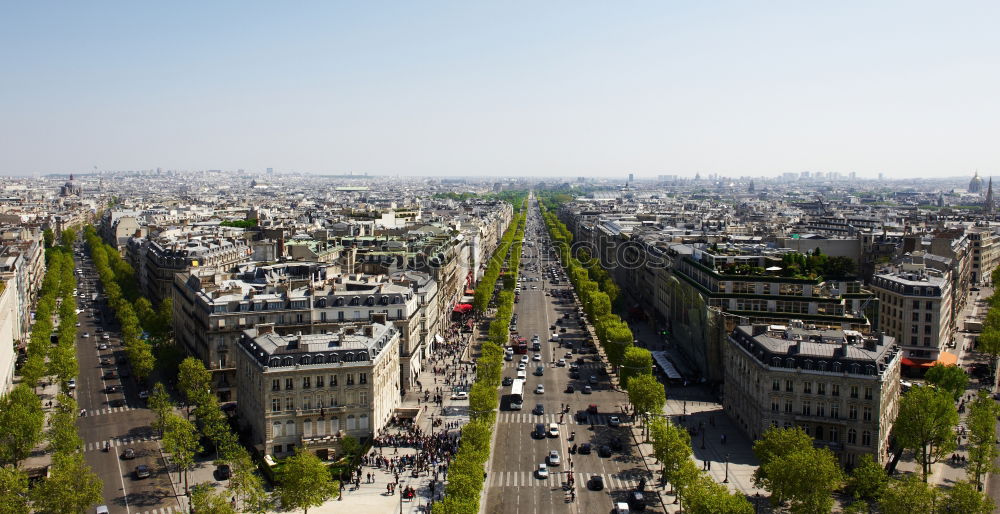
(528, 88)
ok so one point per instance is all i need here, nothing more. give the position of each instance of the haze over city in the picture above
(501, 89)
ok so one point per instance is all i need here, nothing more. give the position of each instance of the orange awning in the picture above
(948, 359)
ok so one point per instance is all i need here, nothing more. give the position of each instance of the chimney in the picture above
(349, 331)
(264, 329)
(369, 331)
(379, 317)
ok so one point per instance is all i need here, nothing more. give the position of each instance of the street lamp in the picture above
(400, 487)
(726, 480)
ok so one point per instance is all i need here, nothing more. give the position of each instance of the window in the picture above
(788, 386)
(854, 391)
(821, 388)
(928, 317)
(290, 448)
(275, 404)
(276, 385)
(289, 384)
(306, 403)
(806, 408)
(350, 379)
(306, 382)
(289, 403)
(915, 329)
(836, 367)
(775, 407)
(930, 305)
(868, 393)
(835, 410)
(916, 304)
(340, 315)
(322, 316)
(277, 449)
(927, 341)
(834, 435)
(852, 412)
(363, 397)
(775, 385)
(821, 409)
(788, 406)
(916, 316)
(835, 389)
(362, 378)
(333, 380)
(852, 436)
(319, 381)
(399, 313)
(298, 318)
(807, 387)
(866, 414)
(866, 438)
(818, 434)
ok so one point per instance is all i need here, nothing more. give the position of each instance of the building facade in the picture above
(916, 309)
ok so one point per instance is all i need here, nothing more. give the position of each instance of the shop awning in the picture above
(438, 338)
(462, 308)
(947, 358)
(470, 292)
(917, 363)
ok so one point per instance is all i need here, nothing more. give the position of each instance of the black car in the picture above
(539, 432)
(142, 471)
(604, 451)
(596, 483)
(539, 409)
(584, 449)
(570, 389)
(114, 389)
(508, 381)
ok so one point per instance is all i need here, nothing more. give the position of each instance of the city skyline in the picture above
(448, 89)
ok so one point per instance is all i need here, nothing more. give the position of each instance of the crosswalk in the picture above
(612, 481)
(569, 418)
(117, 442)
(164, 510)
(108, 410)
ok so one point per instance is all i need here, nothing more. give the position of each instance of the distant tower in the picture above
(631, 177)
(976, 184)
(751, 186)
(988, 204)
(940, 200)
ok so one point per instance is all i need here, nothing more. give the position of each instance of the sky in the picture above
(553, 88)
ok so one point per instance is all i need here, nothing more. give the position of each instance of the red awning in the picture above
(917, 363)
(463, 308)
(470, 292)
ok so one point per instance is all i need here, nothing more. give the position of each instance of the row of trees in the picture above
(70, 485)
(140, 324)
(487, 284)
(467, 471)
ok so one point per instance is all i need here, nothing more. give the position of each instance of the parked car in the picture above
(128, 454)
(142, 471)
(508, 381)
(614, 421)
(223, 472)
(461, 395)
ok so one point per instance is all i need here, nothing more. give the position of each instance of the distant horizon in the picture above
(518, 88)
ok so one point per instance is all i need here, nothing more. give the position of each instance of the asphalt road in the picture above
(513, 486)
(119, 419)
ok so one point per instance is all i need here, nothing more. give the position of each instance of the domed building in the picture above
(976, 184)
(70, 188)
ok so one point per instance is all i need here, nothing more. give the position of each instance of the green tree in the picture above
(636, 361)
(62, 362)
(193, 380)
(646, 394)
(807, 478)
(48, 237)
(204, 500)
(159, 402)
(62, 434)
(246, 485)
(304, 482)
(706, 496)
(13, 491)
(774, 443)
(965, 498)
(71, 486)
(948, 378)
(989, 341)
(671, 446)
(907, 496)
(925, 424)
(868, 480)
(350, 445)
(21, 420)
(982, 421)
(180, 440)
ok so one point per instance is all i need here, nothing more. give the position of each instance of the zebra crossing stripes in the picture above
(165, 510)
(558, 478)
(108, 410)
(116, 442)
(569, 418)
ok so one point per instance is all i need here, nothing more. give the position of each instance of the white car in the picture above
(561, 363)
(553, 430)
(537, 357)
(524, 359)
(614, 421)
(542, 471)
(72, 383)
(86, 334)
(521, 366)
(461, 395)
(553, 458)
(539, 389)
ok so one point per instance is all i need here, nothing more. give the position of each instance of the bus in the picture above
(520, 345)
(517, 395)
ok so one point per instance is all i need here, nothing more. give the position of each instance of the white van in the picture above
(522, 374)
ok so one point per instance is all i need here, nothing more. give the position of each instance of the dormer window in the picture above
(274, 363)
(305, 360)
(339, 302)
(836, 367)
(356, 301)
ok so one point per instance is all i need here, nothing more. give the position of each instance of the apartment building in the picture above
(310, 390)
(157, 260)
(840, 386)
(212, 308)
(915, 307)
(985, 251)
